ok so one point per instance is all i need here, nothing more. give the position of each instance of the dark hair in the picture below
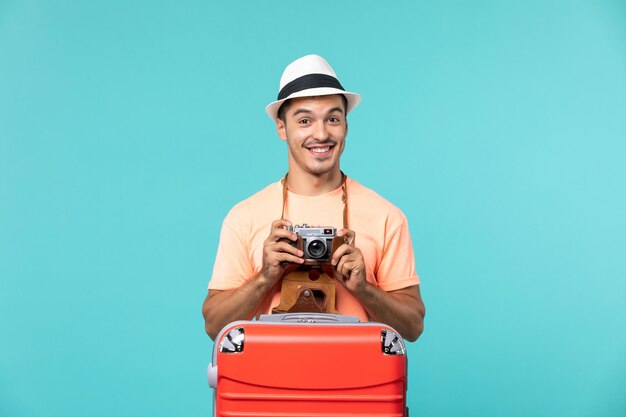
(285, 106)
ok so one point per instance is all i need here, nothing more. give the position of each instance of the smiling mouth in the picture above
(320, 151)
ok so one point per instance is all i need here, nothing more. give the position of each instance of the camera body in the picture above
(317, 242)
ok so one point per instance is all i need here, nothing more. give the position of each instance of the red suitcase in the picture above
(309, 365)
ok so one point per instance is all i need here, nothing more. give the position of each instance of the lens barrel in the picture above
(316, 248)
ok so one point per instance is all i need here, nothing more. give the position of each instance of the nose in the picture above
(321, 132)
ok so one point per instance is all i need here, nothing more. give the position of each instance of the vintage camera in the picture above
(318, 243)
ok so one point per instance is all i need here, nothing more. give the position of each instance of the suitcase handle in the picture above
(309, 318)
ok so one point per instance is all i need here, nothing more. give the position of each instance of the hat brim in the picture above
(352, 98)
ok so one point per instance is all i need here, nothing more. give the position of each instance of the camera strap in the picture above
(344, 197)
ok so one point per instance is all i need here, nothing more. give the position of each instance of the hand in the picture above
(278, 253)
(349, 264)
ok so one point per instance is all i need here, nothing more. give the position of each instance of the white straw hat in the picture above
(309, 76)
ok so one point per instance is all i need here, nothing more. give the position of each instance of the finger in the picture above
(349, 235)
(349, 267)
(341, 251)
(277, 234)
(280, 223)
(285, 247)
(341, 268)
(286, 257)
(276, 253)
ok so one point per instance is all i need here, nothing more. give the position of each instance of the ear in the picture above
(281, 129)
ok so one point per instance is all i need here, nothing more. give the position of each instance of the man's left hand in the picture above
(348, 263)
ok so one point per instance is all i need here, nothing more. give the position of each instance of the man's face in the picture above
(315, 129)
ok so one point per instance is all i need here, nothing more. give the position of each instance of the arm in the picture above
(222, 307)
(401, 309)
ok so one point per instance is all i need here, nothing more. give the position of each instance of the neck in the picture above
(304, 183)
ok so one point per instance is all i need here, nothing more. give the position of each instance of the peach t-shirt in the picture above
(382, 235)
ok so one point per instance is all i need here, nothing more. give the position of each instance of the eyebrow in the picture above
(306, 111)
(299, 111)
(339, 109)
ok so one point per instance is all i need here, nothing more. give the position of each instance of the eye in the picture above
(304, 122)
(334, 119)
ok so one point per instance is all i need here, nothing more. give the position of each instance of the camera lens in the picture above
(316, 248)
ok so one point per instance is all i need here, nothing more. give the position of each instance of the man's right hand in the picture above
(278, 252)
(224, 306)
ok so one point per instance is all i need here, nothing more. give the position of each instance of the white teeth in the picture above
(320, 150)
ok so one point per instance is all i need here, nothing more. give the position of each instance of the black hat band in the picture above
(307, 82)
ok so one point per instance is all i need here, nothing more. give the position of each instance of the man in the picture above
(374, 269)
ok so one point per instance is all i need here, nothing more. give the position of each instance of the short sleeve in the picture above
(233, 266)
(396, 269)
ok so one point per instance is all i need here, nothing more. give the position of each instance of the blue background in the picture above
(128, 130)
